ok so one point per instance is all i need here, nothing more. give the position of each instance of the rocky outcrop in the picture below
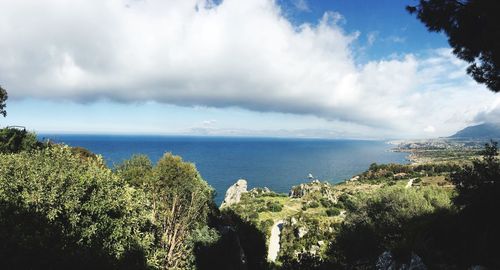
(302, 231)
(315, 186)
(259, 191)
(300, 190)
(234, 192)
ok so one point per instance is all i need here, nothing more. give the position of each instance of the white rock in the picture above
(302, 231)
(234, 192)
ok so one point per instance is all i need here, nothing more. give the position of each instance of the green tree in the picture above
(180, 201)
(478, 185)
(60, 211)
(472, 30)
(14, 140)
(135, 170)
(392, 219)
(3, 98)
(478, 197)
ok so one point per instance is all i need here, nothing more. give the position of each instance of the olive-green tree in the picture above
(135, 170)
(392, 219)
(180, 201)
(14, 140)
(478, 197)
(59, 211)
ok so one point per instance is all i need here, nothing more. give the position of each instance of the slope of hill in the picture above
(482, 131)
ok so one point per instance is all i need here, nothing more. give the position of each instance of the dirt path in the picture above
(274, 241)
(410, 183)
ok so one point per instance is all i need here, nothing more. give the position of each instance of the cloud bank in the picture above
(238, 53)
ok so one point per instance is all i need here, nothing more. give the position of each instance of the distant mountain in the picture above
(483, 131)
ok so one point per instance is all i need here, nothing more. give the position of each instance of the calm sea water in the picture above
(275, 163)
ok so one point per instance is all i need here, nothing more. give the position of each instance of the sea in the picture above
(276, 163)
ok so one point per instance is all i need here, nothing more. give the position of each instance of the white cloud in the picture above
(301, 5)
(430, 129)
(238, 54)
(210, 122)
(397, 39)
(371, 37)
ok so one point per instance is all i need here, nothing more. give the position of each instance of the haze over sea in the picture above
(276, 163)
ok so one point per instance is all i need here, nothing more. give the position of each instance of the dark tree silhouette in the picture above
(3, 98)
(473, 30)
(478, 196)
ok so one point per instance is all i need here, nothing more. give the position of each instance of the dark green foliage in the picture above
(62, 208)
(479, 185)
(3, 98)
(325, 202)
(313, 204)
(265, 225)
(478, 197)
(181, 202)
(14, 140)
(274, 206)
(386, 172)
(135, 170)
(346, 202)
(61, 212)
(332, 212)
(241, 246)
(304, 261)
(391, 219)
(472, 30)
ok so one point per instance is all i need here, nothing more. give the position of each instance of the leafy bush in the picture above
(64, 212)
(13, 140)
(253, 216)
(393, 218)
(347, 202)
(135, 170)
(274, 206)
(313, 204)
(326, 203)
(332, 212)
(265, 225)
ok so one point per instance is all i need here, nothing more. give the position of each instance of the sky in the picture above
(285, 68)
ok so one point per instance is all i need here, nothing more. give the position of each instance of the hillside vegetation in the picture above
(63, 208)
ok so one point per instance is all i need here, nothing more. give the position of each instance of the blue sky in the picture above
(294, 68)
(386, 20)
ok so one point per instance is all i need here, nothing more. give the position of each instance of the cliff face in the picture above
(234, 192)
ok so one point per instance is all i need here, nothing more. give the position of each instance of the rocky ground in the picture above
(304, 219)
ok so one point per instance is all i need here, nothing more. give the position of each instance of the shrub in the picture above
(314, 204)
(13, 140)
(253, 216)
(274, 206)
(392, 219)
(332, 212)
(65, 212)
(326, 203)
(135, 170)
